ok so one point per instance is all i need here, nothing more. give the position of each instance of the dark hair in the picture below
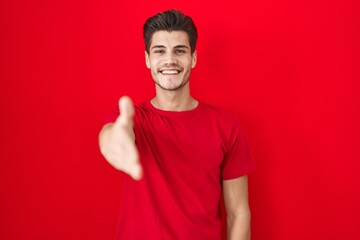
(171, 20)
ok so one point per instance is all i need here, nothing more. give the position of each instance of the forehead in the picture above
(170, 39)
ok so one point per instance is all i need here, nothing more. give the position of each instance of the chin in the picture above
(171, 87)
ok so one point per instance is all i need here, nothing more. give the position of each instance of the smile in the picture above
(170, 71)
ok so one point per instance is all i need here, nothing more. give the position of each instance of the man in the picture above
(180, 155)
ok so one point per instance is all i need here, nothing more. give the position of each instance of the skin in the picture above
(170, 61)
(171, 51)
(235, 193)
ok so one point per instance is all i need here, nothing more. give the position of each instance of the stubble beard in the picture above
(172, 88)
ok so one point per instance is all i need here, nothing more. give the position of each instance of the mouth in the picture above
(171, 71)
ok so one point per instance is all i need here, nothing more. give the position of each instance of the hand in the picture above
(121, 151)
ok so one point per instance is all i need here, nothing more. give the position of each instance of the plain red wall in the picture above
(289, 69)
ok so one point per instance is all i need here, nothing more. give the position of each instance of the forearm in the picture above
(238, 226)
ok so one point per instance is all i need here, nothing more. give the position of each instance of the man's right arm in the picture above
(117, 141)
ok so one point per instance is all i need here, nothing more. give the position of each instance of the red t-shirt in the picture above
(185, 156)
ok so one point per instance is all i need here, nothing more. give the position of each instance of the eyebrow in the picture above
(158, 46)
(162, 46)
(181, 46)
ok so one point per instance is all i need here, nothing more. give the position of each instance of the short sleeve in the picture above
(238, 160)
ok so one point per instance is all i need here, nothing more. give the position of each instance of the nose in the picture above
(171, 59)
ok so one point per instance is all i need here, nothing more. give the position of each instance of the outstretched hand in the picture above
(121, 151)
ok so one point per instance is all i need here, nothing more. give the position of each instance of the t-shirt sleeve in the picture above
(238, 160)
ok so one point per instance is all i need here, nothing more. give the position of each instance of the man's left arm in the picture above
(237, 208)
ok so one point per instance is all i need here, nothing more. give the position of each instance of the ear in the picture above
(147, 60)
(194, 59)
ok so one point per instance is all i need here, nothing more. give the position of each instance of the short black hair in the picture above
(171, 20)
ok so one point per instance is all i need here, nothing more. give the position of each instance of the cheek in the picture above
(154, 63)
(188, 60)
(152, 66)
(188, 63)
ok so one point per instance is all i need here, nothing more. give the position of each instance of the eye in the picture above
(180, 51)
(160, 51)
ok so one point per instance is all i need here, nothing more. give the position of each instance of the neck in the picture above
(179, 100)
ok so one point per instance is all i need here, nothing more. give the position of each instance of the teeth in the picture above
(169, 72)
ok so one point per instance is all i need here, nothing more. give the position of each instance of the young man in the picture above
(180, 155)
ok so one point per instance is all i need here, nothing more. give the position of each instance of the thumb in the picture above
(126, 108)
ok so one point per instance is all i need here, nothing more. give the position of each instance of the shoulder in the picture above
(143, 110)
(219, 113)
(144, 106)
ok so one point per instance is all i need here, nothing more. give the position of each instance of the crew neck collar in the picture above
(173, 113)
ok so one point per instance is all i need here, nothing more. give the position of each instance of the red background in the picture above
(289, 69)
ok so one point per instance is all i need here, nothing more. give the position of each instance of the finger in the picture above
(136, 171)
(133, 169)
(126, 109)
(131, 165)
